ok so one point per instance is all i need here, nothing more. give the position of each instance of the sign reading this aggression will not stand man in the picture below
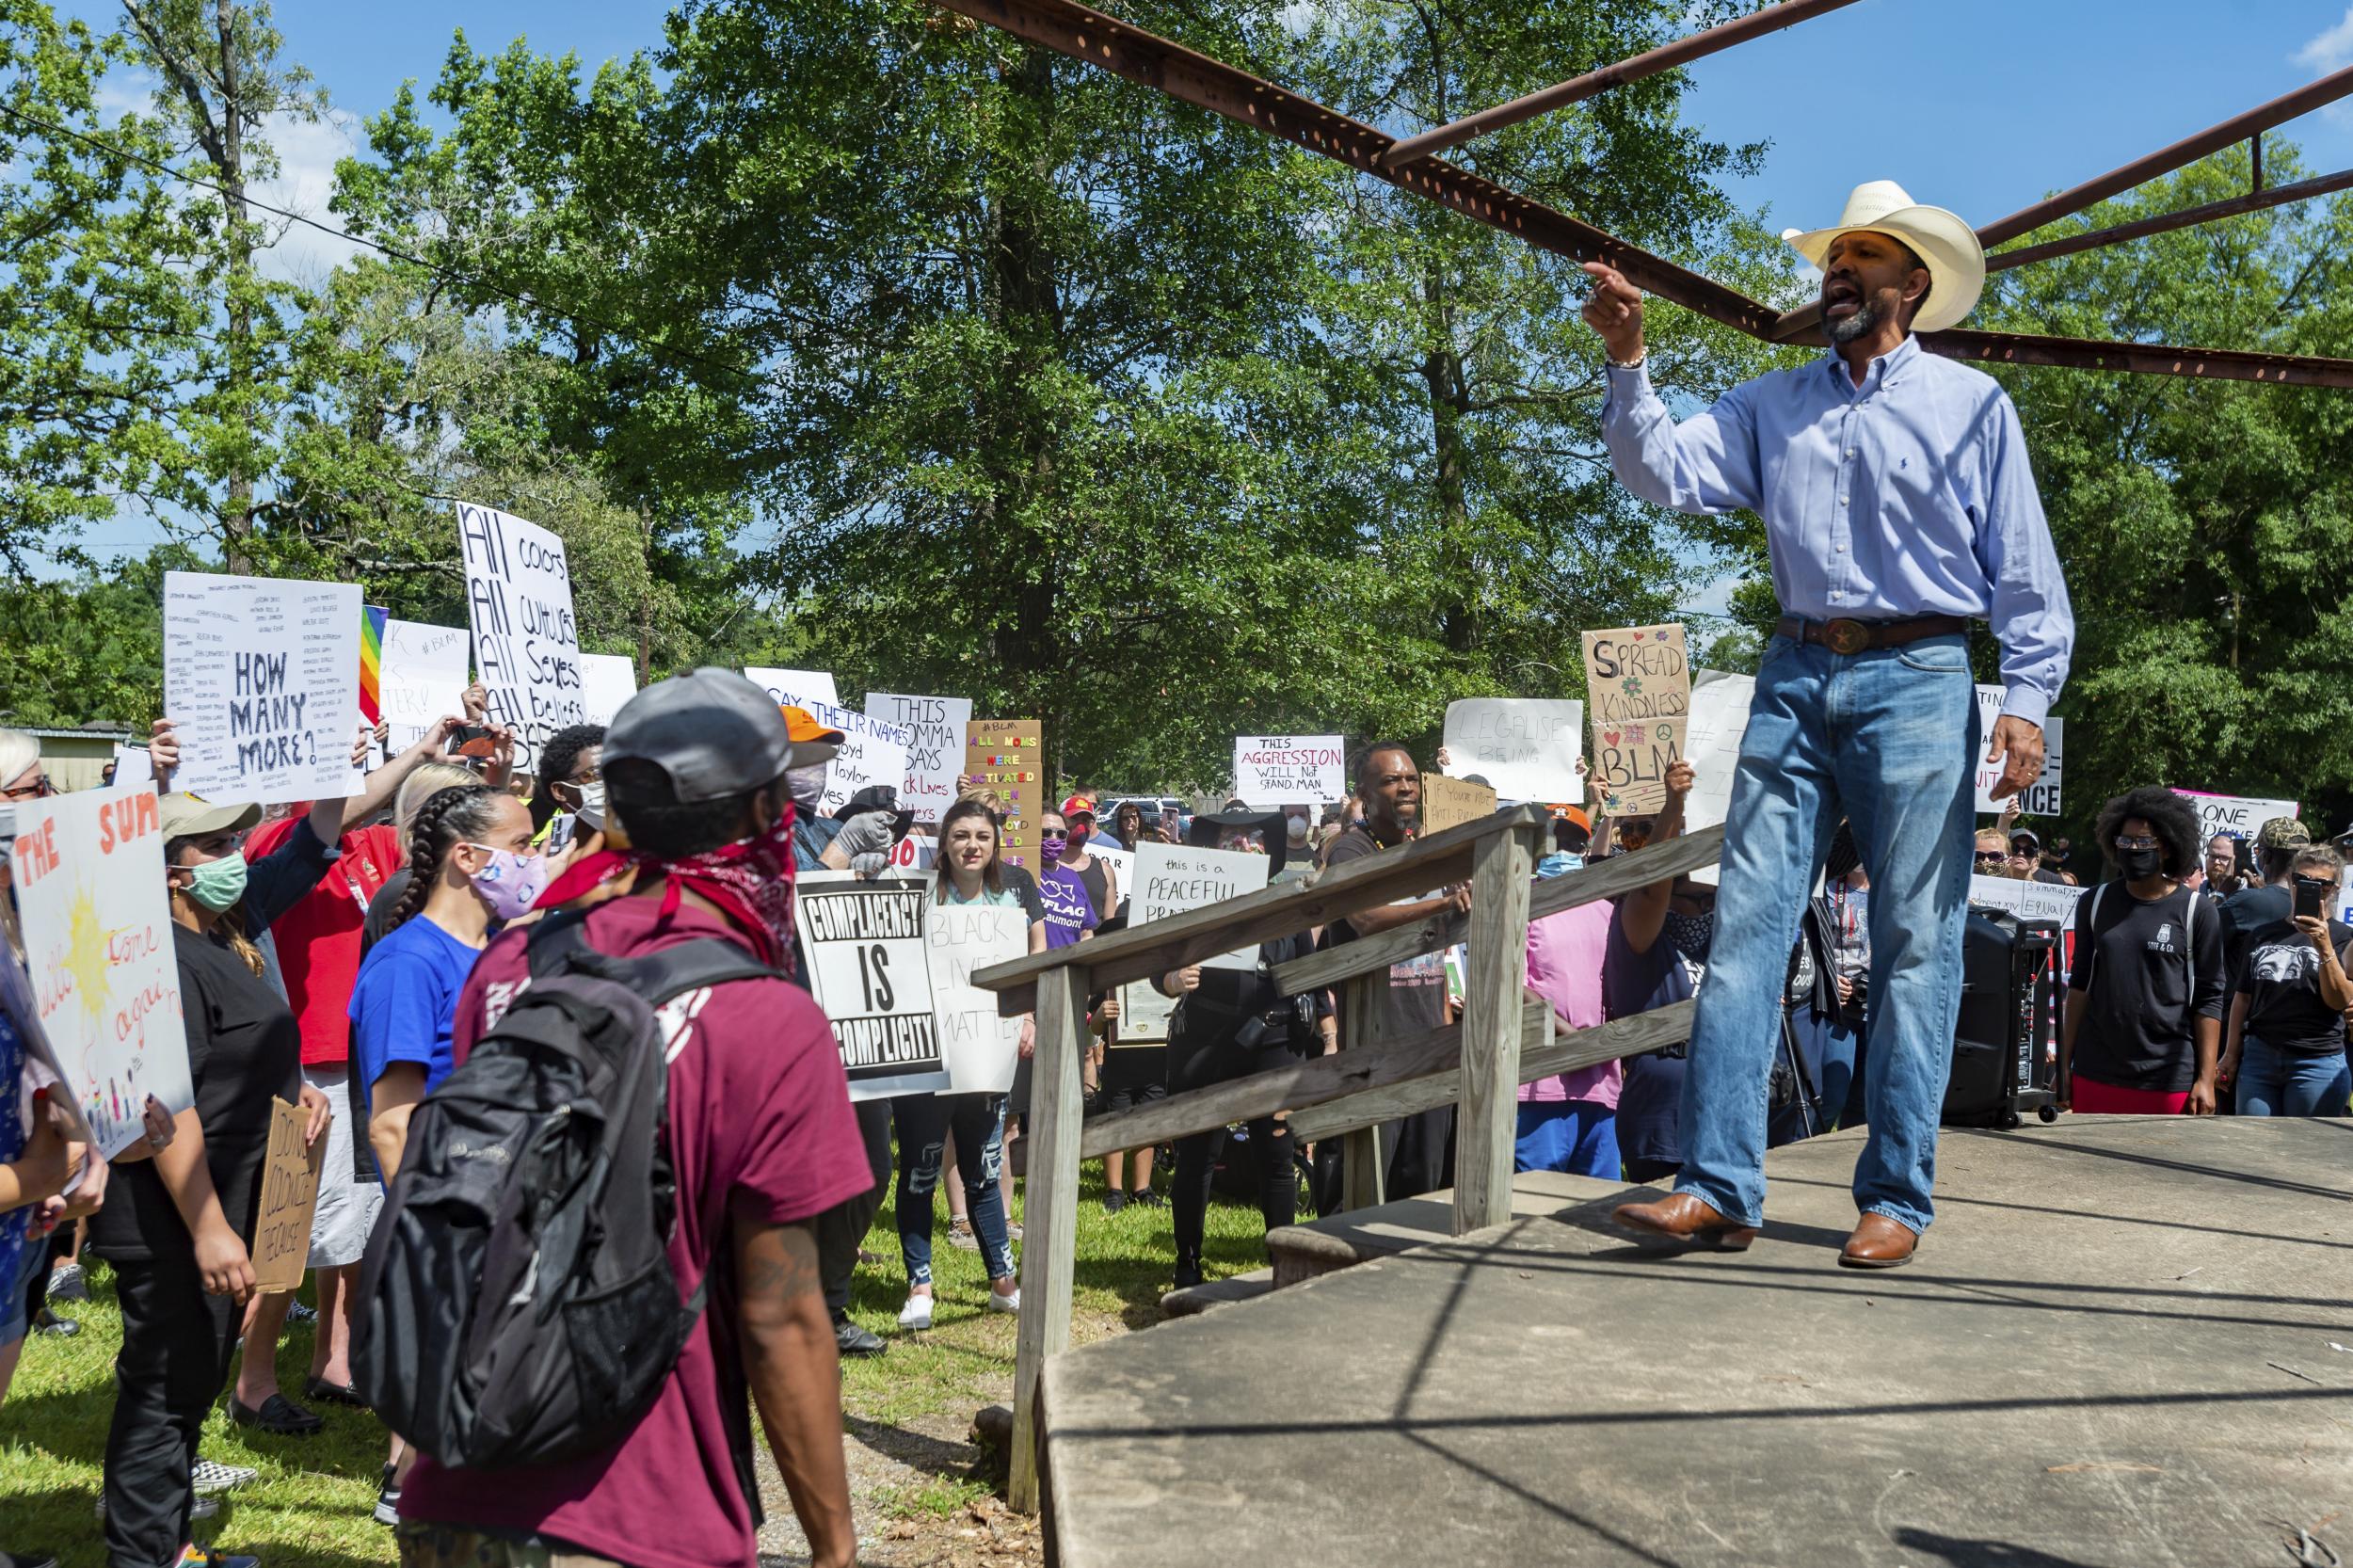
(1637, 680)
(519, 600)
(1526, 747)
(870, 971)
(262, 677)
(1291, 770)
(935, 755)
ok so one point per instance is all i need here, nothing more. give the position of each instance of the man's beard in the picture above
(1865, 321)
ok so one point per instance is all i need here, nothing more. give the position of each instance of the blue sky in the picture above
(1980, 105)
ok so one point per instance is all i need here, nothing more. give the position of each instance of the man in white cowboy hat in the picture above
(1900, 506)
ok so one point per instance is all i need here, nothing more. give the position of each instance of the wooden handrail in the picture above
(1560, 1053)
(1315, 1081)
(1620, 873)
(1177, 941)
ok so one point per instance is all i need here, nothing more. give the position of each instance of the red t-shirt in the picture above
(318, 939)
(760, 1108)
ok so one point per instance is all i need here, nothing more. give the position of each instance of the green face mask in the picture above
(218, 883)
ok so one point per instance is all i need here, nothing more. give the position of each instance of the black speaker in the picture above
(2003, 1043)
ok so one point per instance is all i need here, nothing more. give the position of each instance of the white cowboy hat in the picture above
(1948, 247)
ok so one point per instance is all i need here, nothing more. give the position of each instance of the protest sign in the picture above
(133, 766)
(423, 677)
(519, 600)
(2241, 816)
(1291, 770)
(23, 1015)
(2038, 799)
(89, 869)
(914, 853)
(979, 1049)
(1637, 688)
(1005, 755)
(1526, 747)
(261, 676)
(607, 680)
(872, 751)
(1447, 801)
(796, 688)
(1122, 862)
(867, 969)
(290, 1195)
(1169, 880)
(373, 619)
(935, 755)
(2029, 900)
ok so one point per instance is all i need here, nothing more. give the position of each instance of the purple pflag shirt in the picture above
(1908, 495)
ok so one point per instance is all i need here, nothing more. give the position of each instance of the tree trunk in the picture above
(236, 513)
(1448, 387)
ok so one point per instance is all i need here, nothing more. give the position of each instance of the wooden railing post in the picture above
(1361, 1175)
(1493, 980)
(1051, 1213)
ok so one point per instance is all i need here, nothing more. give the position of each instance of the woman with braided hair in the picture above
(472, 866)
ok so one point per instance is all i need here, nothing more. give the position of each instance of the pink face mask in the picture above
(511, 882)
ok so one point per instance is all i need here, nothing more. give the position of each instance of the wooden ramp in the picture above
(2126, 1341)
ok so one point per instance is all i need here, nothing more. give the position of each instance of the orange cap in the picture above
(806, 730)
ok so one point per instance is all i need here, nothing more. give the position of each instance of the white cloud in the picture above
(2330, 51)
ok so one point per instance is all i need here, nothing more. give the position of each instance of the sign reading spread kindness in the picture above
(1637, 689)
(89, 869)
(261, 676)
(518, 600)
(1291, 770)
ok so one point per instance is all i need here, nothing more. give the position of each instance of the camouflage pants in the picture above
(430, 1545)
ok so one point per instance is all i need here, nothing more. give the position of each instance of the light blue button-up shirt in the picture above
(1908, 495)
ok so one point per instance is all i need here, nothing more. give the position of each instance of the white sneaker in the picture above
(917, 1314)
(1006, 1303)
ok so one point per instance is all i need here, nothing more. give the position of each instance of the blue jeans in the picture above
(924, 1122)
(1888, 738)
(1575, 1136)
(2276, 1082)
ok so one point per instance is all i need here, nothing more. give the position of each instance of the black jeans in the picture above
(841, 1228)
(177, 1344)
(1198, 1064)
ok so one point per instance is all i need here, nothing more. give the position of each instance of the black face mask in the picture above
(2140, 863)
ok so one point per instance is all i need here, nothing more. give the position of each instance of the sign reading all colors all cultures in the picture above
(261, 676)
(89, 869)
(1638, 692)
(518, 600)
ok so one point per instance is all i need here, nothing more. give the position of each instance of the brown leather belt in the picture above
(1855, 637)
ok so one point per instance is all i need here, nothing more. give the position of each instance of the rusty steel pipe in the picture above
(2278, 196)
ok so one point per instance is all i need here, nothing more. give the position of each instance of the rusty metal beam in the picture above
(1110, 44)
(2164, 161)
(1772, 19)
(2278, 196)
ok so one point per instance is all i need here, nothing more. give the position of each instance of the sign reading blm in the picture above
(1637, 688)
(870, 971)
(526, 647)
(262, 677)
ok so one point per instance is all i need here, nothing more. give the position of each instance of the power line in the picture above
(516, 296)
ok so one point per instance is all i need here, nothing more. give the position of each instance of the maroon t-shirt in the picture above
(758, 1107)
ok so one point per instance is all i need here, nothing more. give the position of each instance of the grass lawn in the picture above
(310, 1508)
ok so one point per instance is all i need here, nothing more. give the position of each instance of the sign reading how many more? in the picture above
(261, 676)
(518, 600)
(1637, 682)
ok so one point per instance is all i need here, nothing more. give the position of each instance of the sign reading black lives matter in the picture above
(262, 677)
(868, 969)
(526, 648)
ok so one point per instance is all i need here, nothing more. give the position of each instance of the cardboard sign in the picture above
(870, 969)
(1638, 686)
(935, 755)
(519, 600)
(1006, 755)
(290, 1195)
(261, 676)
(2242, 816)
(607, 680)
(1447, 801)
(2038, 799)
(423, 677)
(1291, 770)
(981, 1049)
(89, 869)
(1171, 879)
(1526, 747)
(798, 688)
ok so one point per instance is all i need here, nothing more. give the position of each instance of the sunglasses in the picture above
(40, 790)
(2137, 840)
(1634, 838)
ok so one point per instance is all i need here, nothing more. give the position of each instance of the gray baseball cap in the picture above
(712, 731)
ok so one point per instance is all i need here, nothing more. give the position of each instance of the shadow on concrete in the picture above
(1963, 1552)
(2212, 1173)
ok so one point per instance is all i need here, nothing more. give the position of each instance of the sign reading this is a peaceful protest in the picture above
(423, 677)
(261, 676)
(290, 1196)
(1637, 680)
(870, 971)
(1007, 756)
(936, 754)
(1526, 747)
(981, 1049)
(2038, 799)
(89, 869)
(519, 600)
(1171, 879)
(1291, 770)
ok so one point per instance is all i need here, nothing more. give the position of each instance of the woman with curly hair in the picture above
(2144, 1029)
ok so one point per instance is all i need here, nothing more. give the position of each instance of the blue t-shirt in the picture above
(405, 1000)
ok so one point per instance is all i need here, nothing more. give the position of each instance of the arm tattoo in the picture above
(780, 1264)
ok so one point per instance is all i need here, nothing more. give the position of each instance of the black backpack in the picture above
(518, 1305)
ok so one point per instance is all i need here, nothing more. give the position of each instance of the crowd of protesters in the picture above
(349, 955)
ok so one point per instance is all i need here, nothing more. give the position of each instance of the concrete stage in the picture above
(2125, 1342)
